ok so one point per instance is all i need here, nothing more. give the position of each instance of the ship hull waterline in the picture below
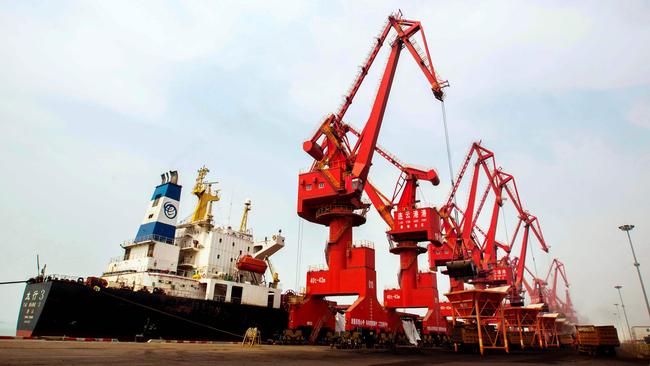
(71, 309)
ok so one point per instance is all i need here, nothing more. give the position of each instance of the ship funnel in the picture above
(169, 177)
(160, 219)
(173, 177)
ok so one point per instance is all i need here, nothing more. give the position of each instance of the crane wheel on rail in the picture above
(292, 336)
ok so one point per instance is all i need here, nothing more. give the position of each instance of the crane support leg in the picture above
(351, 271)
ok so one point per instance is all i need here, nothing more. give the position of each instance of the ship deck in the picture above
(32, 352)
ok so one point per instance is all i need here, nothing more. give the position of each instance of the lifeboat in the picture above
(248, 263)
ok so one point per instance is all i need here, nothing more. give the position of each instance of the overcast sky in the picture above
(98, 98)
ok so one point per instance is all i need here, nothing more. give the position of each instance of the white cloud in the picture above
(485, 49)
(639, 112)
(121, 56)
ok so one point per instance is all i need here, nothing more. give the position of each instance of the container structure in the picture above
(522, 325)
(479, 312)
(597, 339)
(549, 329)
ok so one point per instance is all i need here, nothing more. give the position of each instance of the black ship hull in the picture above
(72, 309)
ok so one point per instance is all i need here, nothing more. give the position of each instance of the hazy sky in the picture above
(98, 98)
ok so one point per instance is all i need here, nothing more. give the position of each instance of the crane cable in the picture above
(532, 253)
(444, 122)
(502, 212)
(299, 251)
(451, 169)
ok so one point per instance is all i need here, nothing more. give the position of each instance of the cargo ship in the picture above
(187, 280)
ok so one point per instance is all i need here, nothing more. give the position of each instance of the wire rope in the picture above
(299, 252)
(169, 314)
(11, 282)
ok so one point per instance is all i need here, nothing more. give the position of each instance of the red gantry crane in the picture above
(539, 291)
(330, 195)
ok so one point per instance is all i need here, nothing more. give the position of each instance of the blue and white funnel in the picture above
(159, 222)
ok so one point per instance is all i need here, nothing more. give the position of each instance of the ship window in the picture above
(308, 187)
(150, 250)
(218, 255)
(235, 296)
(151, 215)
(248, 249)
(233, 243)
(231, 259)
(240, 252)
(155, 202)
(321, 185)
(219, 240)
(220, 290)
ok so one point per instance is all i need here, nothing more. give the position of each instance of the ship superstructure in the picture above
(191, 280)
(196, 258)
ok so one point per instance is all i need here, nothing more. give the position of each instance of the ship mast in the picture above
(203, 191)
(244, 219)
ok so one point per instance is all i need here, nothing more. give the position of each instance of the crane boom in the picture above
(423, 59)
(365, 146)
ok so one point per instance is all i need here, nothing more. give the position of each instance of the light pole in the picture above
(627, 229)
(618, 287)
(619, 323)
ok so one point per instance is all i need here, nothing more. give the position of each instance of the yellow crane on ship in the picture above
(203, 191)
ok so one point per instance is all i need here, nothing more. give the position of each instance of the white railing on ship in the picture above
(150, 237)
(116, 259)
(128, 270)
(64, 277)
(131, 257)
(187, 243)
(185, 220)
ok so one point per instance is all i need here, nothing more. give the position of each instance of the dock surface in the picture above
(39, 352)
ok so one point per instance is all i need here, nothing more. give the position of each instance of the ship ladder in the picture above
(314, 333)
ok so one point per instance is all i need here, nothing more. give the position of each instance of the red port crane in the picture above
(468, 251)
(410, 223)
(330, 195)
(540, 292)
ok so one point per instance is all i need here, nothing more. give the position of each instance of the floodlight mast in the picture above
(627, 229)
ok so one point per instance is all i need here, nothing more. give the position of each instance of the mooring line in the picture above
(170, 315)
(12, 282)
